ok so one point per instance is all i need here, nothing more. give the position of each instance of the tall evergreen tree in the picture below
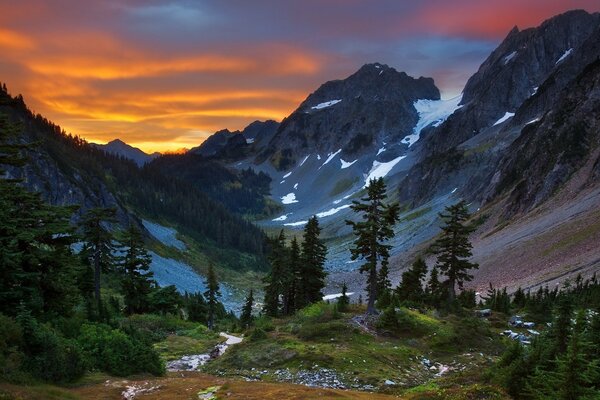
(212, 294)
(137, 281)
(411, 286)
(99, 247)
(37, 263)
(246, 317)
(276, 278)
(312, 273)
(453, 248)
(292, 279)
(371, 234)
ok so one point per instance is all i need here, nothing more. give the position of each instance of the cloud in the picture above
(166, 74)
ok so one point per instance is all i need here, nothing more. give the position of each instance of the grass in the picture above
(342, 185)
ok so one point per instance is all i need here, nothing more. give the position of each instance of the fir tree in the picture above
(371, 234)
(276, 278)
(343, 301)
(453, 248)
(137, 281)
(292, 279)
(196, 307)
(312, 273)
(411, 287)
(98, 246)
(434, 287)
(246, 317)
(211, 294)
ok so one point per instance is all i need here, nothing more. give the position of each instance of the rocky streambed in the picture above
(191, 362)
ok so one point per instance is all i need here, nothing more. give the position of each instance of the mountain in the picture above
(520, 145)
(353, 115)
(225, 144)
(120, 148)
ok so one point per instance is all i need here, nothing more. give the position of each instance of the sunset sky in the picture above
(163, 75)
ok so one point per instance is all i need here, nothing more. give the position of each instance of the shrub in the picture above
(51, 357)
(113, 351)
(156, 327)
(11, 358)
(257, 334)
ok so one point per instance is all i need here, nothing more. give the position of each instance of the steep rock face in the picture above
(549, 151)
(523, 77)
(513, 73)
(372, 106)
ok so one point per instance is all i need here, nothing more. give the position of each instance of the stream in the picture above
(193, 361)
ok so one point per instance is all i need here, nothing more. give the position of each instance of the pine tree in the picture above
(276, 278)
(343, 301)
(246, 317)
(211, 294)
(196, 307)
(561, 326)
(371, 234)
(411, 286)
(137, 281)
(312, 274)
(38, 266)
(292, 279)
(98, 245)
(434, 287)
(453, 248)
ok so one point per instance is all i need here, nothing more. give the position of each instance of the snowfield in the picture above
(431, 112)
(380, 170)
(326, 104)
(299, 223)
(335, 296)
(346, 164)
(332, 211)
(506, 117)
(330, 157)
(509, 57)
(165, 235)
(289, 198)
(565, 55)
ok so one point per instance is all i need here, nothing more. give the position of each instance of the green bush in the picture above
(264, 323)
(257, 334)
(11, 338)
(113, 351)
(50, 356)
(156, 327)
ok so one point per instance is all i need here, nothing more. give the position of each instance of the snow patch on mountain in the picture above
(299, 223)
(287, 175)
(165, 235)
(565, 55)
(346, 164)
(431, 112)
(289, 198)
(281, 218)
(303, 161)
(326, 104)
(380, 170)
(506, 117)
(330, 157)
(381, 150)
(332, 211)
(509, 57)
(335, 296)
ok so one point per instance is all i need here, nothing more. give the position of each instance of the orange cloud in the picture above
(14, 40)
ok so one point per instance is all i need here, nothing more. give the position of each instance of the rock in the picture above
(389, 382)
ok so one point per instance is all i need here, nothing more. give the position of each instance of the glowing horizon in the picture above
(164, 75)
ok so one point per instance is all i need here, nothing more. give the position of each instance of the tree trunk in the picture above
(451, 292)
(372, 291)
(97, 279)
